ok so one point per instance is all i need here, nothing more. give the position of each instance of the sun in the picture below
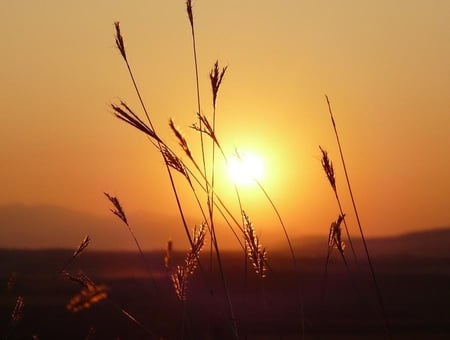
(245, 168)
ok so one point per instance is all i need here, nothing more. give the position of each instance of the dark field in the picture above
(416, 292)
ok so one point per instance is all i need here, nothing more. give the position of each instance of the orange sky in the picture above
(385, 66)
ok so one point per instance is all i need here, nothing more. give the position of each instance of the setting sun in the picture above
(246, 167)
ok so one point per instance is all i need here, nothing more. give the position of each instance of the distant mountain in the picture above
(47, 226)
(430, 243)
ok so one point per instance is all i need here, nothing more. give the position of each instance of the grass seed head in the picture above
(328, 168)
(216, 79)
(17, 312)
(118, 210)
(255, 252)
(189, 12)
(181, 140)
(119, 41)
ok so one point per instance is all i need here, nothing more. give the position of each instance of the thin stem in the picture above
(291, 249)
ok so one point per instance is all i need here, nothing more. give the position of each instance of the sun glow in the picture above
(245, 168)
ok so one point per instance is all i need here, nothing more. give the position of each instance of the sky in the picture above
(385, 66)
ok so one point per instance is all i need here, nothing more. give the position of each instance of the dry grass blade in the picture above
(255, 252)
(334, 237)
(118, 210)
(181, 140)
(328, 168)
(17, 312)
(216, 79)
(124, 113)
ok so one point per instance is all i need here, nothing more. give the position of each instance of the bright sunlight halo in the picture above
(245, 167)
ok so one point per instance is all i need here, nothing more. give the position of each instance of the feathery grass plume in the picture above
(179, 280)
(207, 129)
(126, 114)
(189, 12)
(83, 246)
(216, 79)
(168, 257)
(174, 161)
(17, 312)
(328, 168)
(81, 279)
(182, 274)
(255, 252)
(334, 237)
(87, 297)
(181, 140)
(119, 41)
(118, 210)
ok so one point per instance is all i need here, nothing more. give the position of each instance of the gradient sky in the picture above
(384, 64)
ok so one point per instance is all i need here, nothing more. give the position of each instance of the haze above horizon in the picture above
(385, 66)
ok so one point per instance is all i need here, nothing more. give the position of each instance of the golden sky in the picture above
(384, 64)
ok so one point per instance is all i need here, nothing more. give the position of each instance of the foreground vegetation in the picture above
(201, 294)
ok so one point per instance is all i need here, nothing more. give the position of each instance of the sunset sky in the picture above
(385, 66)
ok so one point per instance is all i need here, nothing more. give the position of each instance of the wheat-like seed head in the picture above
(87, 297)
(181, 140)
(328, 168)
(118, 210)
(182, 274)
(119, 41)
(216, 79)
(83, 245)
(124, 113)
(174, 161)
(17, 312)
(189, 12)
(206, 128)
(334, 237)
(255, 252)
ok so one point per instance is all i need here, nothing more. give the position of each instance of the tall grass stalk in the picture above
(120, 213)
(366, 249)
(121, 46)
